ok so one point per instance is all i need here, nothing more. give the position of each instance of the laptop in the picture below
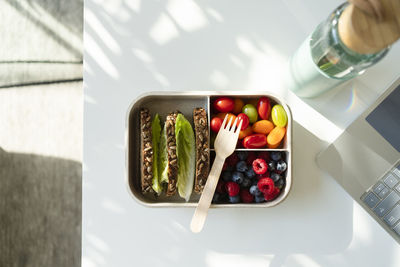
(365, 160)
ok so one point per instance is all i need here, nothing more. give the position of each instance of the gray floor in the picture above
(41, 108)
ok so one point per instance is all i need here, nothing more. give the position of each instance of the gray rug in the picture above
(40, 196)
(40, 211)
(41, 41)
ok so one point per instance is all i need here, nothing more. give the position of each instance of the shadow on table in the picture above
(40, 210)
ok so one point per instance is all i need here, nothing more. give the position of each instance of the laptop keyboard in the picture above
(383, 199)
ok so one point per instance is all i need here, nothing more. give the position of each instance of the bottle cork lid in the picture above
(369, 26)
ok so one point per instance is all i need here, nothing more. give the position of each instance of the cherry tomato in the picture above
(275, 137)
(238, 105)
(251, 112)
(230, 115)
(216, 124)
(246, 132)
(262, 126)
(245, 120)
(264, 108)
(255, 141)
(224, 104)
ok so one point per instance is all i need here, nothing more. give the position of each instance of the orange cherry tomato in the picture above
(263, 127)
(275, 137)
(238, 105)
(230, 115)
(254, 102)
(246, 132)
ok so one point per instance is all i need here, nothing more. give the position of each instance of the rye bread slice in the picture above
(172, 156)
(202, 149)
(147, 151)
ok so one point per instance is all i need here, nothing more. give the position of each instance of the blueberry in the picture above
(281, 166)
(226, 176)
(254, 190)
(242, 155)
(216, 198)
(271, 166)
(237, 177)
(280, 183)
(235, 199)
(276, 155)
(259, 199)
(275, 176)
(250, 173)
(241, 166)
(246, 182)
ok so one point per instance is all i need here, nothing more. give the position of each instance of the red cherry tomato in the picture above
(224, 104)
(255, 141)
(245, 119)
(215, 124)
(264, 108)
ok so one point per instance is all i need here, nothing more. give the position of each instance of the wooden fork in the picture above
(224, 145)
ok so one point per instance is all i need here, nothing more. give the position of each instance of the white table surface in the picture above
(135, 46)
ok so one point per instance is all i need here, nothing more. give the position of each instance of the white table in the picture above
(134, 46)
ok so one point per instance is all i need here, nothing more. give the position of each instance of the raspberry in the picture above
(246, 196)
(266, 185)
(232, 188)
(263, 155)
(272, 195)
(221, 187)
(232, 159)
(260, 166)
(251, 157)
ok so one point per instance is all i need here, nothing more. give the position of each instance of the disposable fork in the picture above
(224, 145)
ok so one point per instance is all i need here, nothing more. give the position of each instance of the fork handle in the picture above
(206, 197)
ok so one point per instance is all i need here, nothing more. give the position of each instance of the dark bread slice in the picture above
(202, 149)
(147, 151)
(172, 156)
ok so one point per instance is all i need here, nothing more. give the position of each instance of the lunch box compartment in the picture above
(247, 99)
(165, 102)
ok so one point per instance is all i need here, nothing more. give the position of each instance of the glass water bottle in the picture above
(323, 61)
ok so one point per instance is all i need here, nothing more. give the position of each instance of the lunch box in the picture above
(185, 101)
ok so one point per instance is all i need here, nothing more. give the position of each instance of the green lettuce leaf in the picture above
(156, 131)
(163, 160)
(185, 149)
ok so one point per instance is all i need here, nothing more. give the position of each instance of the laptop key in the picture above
(391, 180)
(398, 187)
(383, 193)
(397, 229)
(393, 216)
(378, 188)
(371, 200)
(387, 204)
(397, 171)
